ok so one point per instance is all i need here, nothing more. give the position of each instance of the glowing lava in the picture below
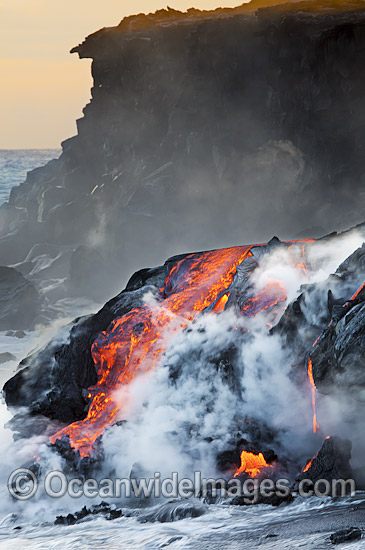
(270, 296)
(311, 380)
(251, 464)
(299, 263)
(309, 464)
(134, 343)
(362, 287)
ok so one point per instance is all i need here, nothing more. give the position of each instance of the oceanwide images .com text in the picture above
(23, 484)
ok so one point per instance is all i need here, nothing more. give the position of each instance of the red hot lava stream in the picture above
(251, 464)
(360, 289)
(311, 380)
(135, 342)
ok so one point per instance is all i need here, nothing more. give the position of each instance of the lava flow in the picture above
(308, 465)
(311, 380)
(360, 289)
(135, 342)
(270, 296)
(251, 464)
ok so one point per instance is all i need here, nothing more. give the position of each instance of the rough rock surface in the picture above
(331, 463)
(346, 535)
(338, 356)
(193, 119)
(103, 509)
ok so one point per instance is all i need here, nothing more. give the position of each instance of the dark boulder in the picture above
(103, 509)
(331, 463)
(338, 357)
(257, 497)
(346, 535)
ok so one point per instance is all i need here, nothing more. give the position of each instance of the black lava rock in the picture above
(331, 463)
(346, 535)
(102, 509)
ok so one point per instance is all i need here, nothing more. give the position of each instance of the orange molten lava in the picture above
(311, 380)
(306, 468)
(296, 262)
(251, 464)
(135, 342)
(221, 303)
(357, 292)
(271, 295)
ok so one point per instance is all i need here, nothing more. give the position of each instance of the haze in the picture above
(43, 87)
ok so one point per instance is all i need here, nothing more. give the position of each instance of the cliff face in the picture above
(203, 131)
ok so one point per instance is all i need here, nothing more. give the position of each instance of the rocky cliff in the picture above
(205, 129)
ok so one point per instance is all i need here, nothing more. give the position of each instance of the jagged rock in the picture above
(346, 535)
(102, 509)
(16, 333)
(257, 498)
(74, 462)
(331, 334)
(338, 358)
(331, 463)
(19, 300)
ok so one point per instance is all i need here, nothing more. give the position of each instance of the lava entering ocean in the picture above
(135, 342)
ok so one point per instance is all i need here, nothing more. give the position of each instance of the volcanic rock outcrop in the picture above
(73, 383)
(338, 357)
(332, 462)
(202, 127)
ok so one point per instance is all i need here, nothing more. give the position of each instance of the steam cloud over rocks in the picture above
(202, 128)
(203, 364)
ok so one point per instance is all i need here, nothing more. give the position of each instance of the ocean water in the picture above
(14, 165)
(305, 525)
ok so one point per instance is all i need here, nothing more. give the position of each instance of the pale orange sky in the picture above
(44, 88)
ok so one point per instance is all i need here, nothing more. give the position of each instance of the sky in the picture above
(43, 88)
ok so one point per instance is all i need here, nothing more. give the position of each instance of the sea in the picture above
(15, 163)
